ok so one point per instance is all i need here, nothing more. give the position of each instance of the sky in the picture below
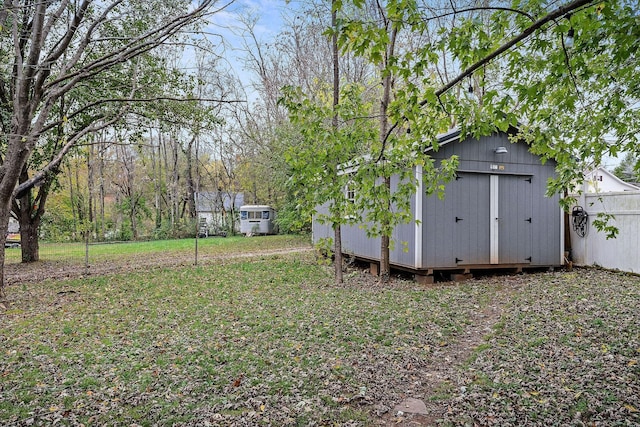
(227, 25)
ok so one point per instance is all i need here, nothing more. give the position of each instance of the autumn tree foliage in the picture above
(69, 68)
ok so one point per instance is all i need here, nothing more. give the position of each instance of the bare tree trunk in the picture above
(79, 199)
(73, 202)
(387, 82)
(29, 242)
(133, 216)
(29, 211)
(156, 174)
(101, 152)
(90, 187)
(5, 212)
(191, 186)
(337, 232)
(167, 171)
(175, 202)
(385, 241)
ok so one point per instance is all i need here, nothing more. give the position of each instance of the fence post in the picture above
(86, 253)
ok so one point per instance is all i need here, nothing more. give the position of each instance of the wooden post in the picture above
(374, 268)
(461, 277)
(424, 279)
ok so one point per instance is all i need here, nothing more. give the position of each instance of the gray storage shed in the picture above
(494, 215)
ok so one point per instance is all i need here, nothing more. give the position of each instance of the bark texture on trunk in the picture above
(338, 252)
(29, 241)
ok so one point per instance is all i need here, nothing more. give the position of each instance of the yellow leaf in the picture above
(495, 395)
(262, 407)
(53, 408)
(534, 393)
(632, 363)
(630, 408)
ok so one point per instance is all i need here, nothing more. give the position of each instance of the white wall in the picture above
(621, 253)
(601, 180)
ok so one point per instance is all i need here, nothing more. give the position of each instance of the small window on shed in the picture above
(265, 214)
(350, 191)
(244, 214)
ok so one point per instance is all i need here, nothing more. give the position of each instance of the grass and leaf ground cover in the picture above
(270, 340)
(246, 342)
(67, 260)
(566, 352)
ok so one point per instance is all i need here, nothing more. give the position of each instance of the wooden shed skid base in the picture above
(428, 276)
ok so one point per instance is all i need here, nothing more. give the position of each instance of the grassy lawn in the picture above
(271, 341)
(75, 252)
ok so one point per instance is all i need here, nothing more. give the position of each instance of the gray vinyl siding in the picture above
(354, 238)
(457, 227)
(447, 243)
(403, 252)
(515, 209)
(518, 198)
(355, 241)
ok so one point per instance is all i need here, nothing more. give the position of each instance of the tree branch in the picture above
(55, 162)
(559, 12)
(473, 9)
(137, 46)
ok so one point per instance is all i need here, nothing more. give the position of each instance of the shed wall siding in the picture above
(518, 200)
(519, 187)
(445, 239)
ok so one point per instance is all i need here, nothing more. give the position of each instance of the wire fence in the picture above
(208, 238)
(60, 261)
(88, 253)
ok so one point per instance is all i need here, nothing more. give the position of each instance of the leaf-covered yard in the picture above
(270, 340)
